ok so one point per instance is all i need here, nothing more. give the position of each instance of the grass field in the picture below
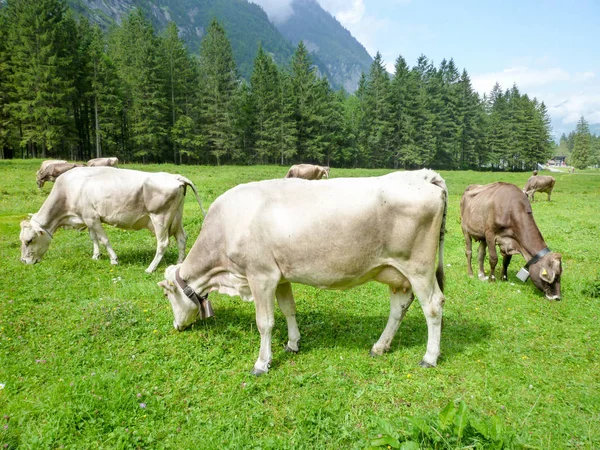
(89, 357)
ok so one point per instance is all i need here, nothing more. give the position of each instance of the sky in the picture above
(549, 48)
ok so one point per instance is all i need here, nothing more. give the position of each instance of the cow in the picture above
(50, 161)
(541, 183)
(129, 199)
(500, 214)
(97, 162)
(260, 237)
(52, 171)
(308, 172)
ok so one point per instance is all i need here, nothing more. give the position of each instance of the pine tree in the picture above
(182, 82)
(287, 132)
(582, 150)
(218, 88)
(265, 94)
(468, 108)
(6, 126)
(401, 139)
(304, 88)
(39, 84)
(137, 58)
(378, 113)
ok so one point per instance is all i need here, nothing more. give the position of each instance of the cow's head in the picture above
(185, 311)
(34, 242)
(546, 273)
(326, 171)
(39, 179)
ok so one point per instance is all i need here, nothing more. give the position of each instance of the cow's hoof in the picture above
(96, 257)
(290, 350)
(375, 354)
(425, 364)
(258, 372)
(114, 262)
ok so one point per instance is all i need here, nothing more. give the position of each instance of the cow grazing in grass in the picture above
(308, 172)
(98, 162)
(500, 214)
(258, 238)
(129, 199)
(539, 183)
(52, 171)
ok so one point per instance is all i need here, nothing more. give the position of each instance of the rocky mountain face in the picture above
(334, 51)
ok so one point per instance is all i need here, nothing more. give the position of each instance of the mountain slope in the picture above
(344, 57)
(334, 51)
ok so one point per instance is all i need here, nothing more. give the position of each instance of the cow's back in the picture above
(345, 227)
(490, 207)
(119, 196)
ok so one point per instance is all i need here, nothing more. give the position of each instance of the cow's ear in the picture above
(547, 275)
(168, 285)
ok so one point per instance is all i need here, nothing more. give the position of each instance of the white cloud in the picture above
(570, 110)
(278, 10)
(524, 77)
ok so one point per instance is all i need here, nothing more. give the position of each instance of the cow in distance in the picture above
(308, 171)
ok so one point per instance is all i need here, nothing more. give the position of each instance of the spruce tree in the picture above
(265, 97)
(182, 82)
(39, 84)
(582, 150)
(304, 88)
(378, 113)
(287, 131)
(137, 58)
(218, 88)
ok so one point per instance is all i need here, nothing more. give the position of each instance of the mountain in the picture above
(344, 57)
(334, 51)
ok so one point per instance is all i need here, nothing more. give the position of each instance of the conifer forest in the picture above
(69, 89)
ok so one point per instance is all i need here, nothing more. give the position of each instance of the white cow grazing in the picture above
(258, 238)
(129, 199)
(97, 162)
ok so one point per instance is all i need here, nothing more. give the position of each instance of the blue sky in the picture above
(549, 48)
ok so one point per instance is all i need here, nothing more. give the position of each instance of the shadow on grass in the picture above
(331, 328)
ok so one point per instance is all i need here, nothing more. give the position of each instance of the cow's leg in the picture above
(549, 192)
(491, 244)
(94, 238)
(432, 300)
(181, 238)
(481, 260)
(468, 252)
(399, 304)
(162, 241)
(95, 227)
(285, 298)
(263, 291)
(505, 262)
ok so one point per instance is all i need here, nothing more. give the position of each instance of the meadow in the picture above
(89, 357)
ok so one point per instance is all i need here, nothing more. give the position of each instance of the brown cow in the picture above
(308, 172)
(98, 162)
(52, 171)
(500, 214)
(541, 183)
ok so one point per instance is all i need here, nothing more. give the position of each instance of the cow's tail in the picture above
(188, 182)
(439, 273)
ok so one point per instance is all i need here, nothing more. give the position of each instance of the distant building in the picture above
(558, 161)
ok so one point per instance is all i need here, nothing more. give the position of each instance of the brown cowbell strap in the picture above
(203, 304)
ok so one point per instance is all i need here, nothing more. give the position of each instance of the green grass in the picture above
(84, 346)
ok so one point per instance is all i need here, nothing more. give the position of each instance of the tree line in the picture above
(67, 89)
